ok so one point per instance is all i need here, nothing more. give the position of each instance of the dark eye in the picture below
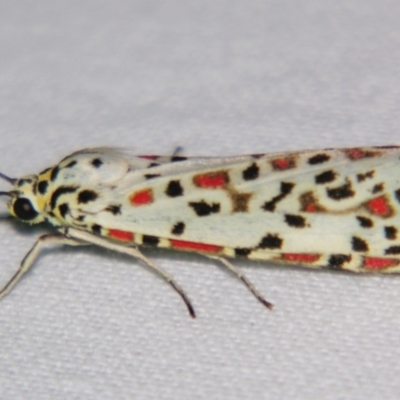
(24, 210)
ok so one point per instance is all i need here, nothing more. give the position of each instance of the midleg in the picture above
(244, 279)
(87, 237)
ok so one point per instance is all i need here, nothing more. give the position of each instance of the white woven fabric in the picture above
(219, 78)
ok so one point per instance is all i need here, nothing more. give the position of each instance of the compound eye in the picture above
(24, 210)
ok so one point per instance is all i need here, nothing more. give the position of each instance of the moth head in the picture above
(23, 201)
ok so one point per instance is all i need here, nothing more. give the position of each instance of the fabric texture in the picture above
(218, 78)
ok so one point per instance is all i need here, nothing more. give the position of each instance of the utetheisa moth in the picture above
(334, 208)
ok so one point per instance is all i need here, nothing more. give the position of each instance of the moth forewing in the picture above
(335, 208)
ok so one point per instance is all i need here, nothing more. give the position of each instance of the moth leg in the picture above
(30, 257)
(87, 237)
(244, 279)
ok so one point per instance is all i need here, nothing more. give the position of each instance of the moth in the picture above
(333, 208)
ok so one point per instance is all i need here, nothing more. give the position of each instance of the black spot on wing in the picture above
(85, 196)
(393, 250)
(364, 176)
(202, 209)
(397, 195)
(59, 192)
(252, 172)
(390, 232)
(151, 176)
(54, 173)
(358, 244)
(178, 228)
(286, 188)
(341, 192)
(240, 201)
(365, 222)
(387, 147)
(378, 188)
(63, 209)
(318, 159)
(150, 240)
(296, 221)
(336, 261)
(22, 182)
(242, 252)
(325, 177)
(270, 241)
(71, 164)
(174, 189)
(97, 162)
(178, 158)
(96, 229)
(114, 209)
(42, 186)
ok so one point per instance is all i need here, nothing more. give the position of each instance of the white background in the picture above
(218, 77)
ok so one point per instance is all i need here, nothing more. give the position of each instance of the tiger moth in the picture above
(333, 208)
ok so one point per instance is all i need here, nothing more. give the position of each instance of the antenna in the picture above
(8, 179)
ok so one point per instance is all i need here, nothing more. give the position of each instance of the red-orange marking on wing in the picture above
(379, 263)
(310, 207)
(357, 154)
(300, 257)
(120, 235)
(308, 203)
(282, 163)
(379, 206)
(148, 157)
(182, 244)
(142, 197)
(211, 179)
